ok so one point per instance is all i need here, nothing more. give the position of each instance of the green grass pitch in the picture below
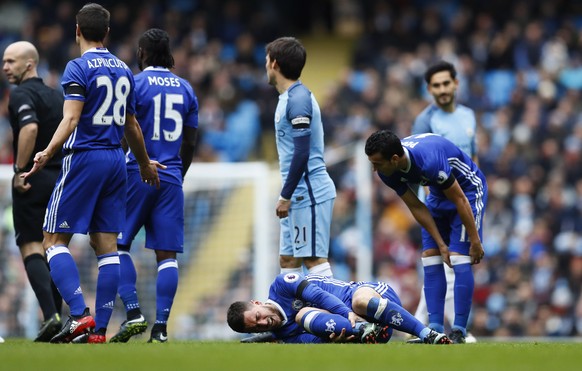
(21, 355)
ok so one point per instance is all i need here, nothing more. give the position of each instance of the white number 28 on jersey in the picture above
(120, 92)
(170, 114)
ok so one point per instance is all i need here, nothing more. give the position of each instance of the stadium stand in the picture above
(520, 68)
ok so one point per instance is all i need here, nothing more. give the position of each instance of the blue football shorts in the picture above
(305, 232)
(89, 195)
(450, 225)
(160, 211)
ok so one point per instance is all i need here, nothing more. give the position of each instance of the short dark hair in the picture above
(439, 67)
(93, 21)
(384, 142)
(235, 315)
(155, 43)
(290, 55)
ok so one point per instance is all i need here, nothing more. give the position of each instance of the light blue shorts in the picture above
(305, 232)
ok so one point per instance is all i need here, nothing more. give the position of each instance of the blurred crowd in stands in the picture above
(520, 69)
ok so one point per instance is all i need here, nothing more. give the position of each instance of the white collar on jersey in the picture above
(279, 308)
(154, 68)
(96, 50)
(407, 155)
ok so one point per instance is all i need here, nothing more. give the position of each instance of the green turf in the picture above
(21, 355)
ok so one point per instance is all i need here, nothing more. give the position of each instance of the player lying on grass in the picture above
(318, 309)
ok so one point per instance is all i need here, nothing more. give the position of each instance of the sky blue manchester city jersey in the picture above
(165, 103)
(459, 127)
(105, 85)
(298, 108)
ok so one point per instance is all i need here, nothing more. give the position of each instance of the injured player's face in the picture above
(262, 317)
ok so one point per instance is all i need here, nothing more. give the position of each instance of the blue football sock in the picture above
(66, 278)
(393, 315)
(166, 287)
(464, 287)
(127, 280)
(323, 324)
(107, 283)
(435, 290)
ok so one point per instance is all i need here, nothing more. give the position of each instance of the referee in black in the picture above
(35, 112)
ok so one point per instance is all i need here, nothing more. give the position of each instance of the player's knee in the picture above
(313, 262)
(286, 261)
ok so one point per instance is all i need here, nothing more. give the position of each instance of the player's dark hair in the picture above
(235, 316)
(384, 142)
(155, 45)
(93, 21)
(439, 67)
(289, 54)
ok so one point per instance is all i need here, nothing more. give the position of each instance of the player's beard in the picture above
(445, 100)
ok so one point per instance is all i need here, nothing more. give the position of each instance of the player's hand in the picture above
(149, 173)
(476, 252)
(20, 184)
(40, 160)
(446, 255)
(353, 317)
(341, 338)
(282, 209)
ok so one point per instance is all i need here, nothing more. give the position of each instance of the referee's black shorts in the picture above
(28, 208)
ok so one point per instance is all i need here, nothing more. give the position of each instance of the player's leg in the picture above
(105, 246)
(310, 234)
(287, 261)
(140, 200)
(435, 283)
(66, 278)
(382, 305)
(68, 212)
(322, 214)
(165, 234)
(107, 220)
(464, 281)
(450, 296)
(322, 324)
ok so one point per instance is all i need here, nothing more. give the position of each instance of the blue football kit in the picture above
(92, 153)
(90, 194)
(300, 147)
(435, 162)
(165, 104)
(289, 293)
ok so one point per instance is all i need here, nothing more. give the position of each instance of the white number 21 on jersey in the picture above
(170, 114)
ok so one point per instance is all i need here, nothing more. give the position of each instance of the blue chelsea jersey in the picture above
(165, 103)
(289, 294)
(105, 84)
(297, 107)
(433, 159)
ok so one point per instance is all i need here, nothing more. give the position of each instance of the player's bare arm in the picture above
(423, 217)
(456, 195)
(189, 138)
(71, 114)
(147, 168)
(26, 141)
